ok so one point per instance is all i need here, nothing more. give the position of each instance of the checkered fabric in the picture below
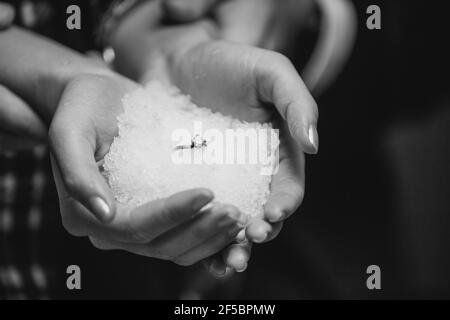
(30, 224)
(28, 202)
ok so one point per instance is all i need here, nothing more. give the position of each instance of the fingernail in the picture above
(241, 236)
(261, 239)
(275, 216)
(217, 269)
(313, 137)
(244, 267)
(101, 209)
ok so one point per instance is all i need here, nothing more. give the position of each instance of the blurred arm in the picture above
(37, 69)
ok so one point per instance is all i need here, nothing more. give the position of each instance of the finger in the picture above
(157, 217)
(187, 10)
(74, 153)
(259, 230)
(279, 83)
(202, 236)
(237, 255)
(129, 226)
(135, 248)
(275, 231)
(215, 229)
(78, 220)
(241, 236)
(208, 248)
(286, 187)
(216, 265)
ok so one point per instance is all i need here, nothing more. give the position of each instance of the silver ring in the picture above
(196, 143)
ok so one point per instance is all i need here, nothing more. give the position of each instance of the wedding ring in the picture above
(196, 143)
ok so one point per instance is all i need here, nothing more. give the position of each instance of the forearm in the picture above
(38, 69)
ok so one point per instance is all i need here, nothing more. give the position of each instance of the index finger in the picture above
(155, 218)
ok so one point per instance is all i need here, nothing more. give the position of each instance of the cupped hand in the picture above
(256, 85)
(249, 83)
(178, 228)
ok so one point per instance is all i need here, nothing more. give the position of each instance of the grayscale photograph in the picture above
(168, 150)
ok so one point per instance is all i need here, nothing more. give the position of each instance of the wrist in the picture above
(51, 83)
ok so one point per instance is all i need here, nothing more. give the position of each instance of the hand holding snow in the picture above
(166, 144)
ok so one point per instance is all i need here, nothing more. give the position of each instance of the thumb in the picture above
(74, 156)
(187, 10)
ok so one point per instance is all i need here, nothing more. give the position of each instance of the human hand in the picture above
(248, 83)
(177, 228)
(21, 127)
(256, 85)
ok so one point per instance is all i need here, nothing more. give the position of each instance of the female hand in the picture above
(175, 228)
(256, 85)
(249, 83)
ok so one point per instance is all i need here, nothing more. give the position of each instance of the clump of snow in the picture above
(160, 151)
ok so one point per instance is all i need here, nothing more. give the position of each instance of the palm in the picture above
(229, 78)
(225, 77)
(98, 101)
(221, 76)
